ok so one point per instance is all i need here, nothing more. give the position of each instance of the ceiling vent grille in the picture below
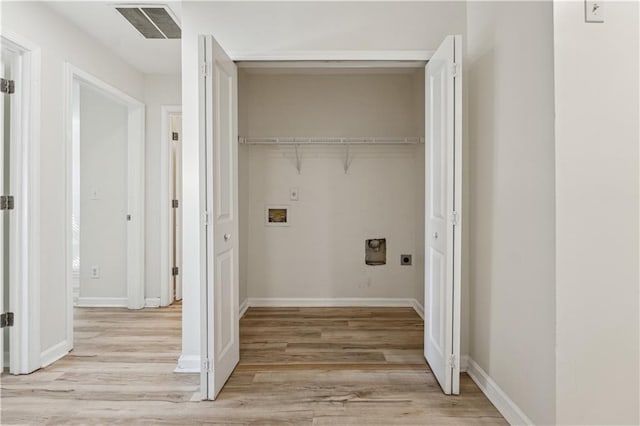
(153, 22)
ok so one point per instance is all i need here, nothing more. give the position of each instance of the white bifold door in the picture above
(219, 176)
(443, 212)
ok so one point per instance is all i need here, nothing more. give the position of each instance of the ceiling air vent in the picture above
(153, 22)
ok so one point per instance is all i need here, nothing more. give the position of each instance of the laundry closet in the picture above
(331, 182)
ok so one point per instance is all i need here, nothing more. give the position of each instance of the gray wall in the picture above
(511, 200)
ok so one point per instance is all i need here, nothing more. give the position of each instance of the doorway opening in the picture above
(289, 123)
(171, 205)
(106, 197)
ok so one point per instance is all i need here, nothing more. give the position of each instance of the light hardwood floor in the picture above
(307, 366)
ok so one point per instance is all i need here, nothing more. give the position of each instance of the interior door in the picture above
(219, 149)
(443, 211)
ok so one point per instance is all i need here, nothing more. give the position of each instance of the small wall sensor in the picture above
(405, 259)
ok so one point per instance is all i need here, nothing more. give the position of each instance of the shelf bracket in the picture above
(298, 158)
(347, 158)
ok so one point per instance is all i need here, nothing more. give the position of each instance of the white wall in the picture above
(596, 94)
(103, 195)
(309, 27)
(321, 253)
(511, 222)
(59, 41)
(159, 90)
(316, 27)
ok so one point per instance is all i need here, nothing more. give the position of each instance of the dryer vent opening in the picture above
(375, 251)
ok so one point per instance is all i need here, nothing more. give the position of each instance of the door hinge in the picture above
(455, 70)
(175, 271)
(7, 202)
(7, 86)
(205, 69)
(175, 204)
(206, 365)
(6, 320)
(175, 136)
(454, 218)
(452, 361)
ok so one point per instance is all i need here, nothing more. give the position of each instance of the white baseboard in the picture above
(243, 308)
(509, 410)
(418, 308)
(152, 302)
(329, 302)
(188, 364)
(102, 302)
(54, 353)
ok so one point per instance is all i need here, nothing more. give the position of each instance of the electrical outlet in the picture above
(95, 272)
(594, 11)
(293, 194)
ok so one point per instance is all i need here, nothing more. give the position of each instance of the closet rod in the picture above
(414, 140)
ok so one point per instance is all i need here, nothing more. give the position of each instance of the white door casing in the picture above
(176, 213)
(3, 213)
(219, 165)
(443, 161)
(24, 238)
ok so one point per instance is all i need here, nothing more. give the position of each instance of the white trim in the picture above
(188, 364)
(102, 302)
(333, 55)
(509, 410)
(152, 302)
(418, 308)
(54, 353)
(243, 308)
(331, 302)
(165, 200)
(24, 298)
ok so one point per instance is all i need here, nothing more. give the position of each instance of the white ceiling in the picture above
(100, 20)
(248, 29)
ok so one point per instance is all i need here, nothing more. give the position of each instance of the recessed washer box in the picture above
(276, 215)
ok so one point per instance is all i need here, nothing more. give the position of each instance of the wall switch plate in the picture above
(594, 11)
(293, 194)
(95, 272)
(93, 194)
(405, 259)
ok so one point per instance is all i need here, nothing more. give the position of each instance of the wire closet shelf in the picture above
(288, 140)
(298, 142)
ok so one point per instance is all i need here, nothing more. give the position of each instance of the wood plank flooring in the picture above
(307, 366)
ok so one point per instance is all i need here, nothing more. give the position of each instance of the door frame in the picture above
(166, 298)
(24, 297)
(135, 180)
(375, 57)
